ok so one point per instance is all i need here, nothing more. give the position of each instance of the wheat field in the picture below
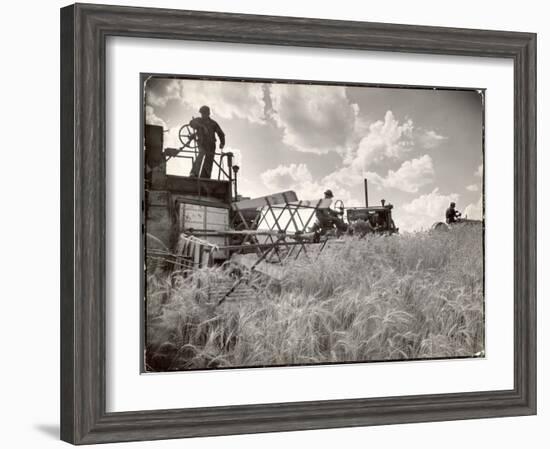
(400, 297)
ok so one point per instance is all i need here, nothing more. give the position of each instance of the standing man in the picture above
(451, 214)
(206, 130)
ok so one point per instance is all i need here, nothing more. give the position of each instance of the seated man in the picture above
(328, 219)
(451, 214)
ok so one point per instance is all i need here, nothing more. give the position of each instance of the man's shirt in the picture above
(207, 129)
(450, 215)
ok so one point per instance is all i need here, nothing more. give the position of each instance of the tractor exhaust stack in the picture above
(366, 193)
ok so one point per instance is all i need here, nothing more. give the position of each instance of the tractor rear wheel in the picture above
(440, 227)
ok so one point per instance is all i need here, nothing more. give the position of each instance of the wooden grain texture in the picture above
(67, 225)
(83, 32)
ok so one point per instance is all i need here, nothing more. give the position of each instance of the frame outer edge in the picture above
(525, 224)
(67, 385)
(532, 306)
(90, 224)
(530, 240)
(83, 416)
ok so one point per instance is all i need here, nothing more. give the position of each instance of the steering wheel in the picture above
(341, 203)
(188, 137)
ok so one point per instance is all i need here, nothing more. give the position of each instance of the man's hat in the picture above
(329, 193)
(453, 204)
(204, 109)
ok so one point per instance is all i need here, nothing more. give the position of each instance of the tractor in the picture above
(359, 221)
(371, 219)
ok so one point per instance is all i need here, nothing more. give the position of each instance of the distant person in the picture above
(206, 130)
(451, 214)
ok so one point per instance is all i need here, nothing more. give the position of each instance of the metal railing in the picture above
(223, 161)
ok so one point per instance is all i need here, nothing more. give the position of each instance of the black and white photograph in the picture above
(299, 223)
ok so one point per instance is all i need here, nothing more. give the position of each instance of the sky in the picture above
(419, 148)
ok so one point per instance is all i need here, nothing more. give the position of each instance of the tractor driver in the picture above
(328, 218)
(206, 130)
(451, 214)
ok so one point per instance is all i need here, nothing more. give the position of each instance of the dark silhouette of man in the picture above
(206, 130)
(451, 214)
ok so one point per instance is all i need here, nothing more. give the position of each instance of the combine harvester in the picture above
(191, 222)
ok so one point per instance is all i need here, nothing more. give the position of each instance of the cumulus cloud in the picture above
(250, 187)
(430, 139)
(314, 119)
(385, 139)
(226, 99)
(388, 139)
(283, 176)
(320, 119)
(410, 177)
(171, 135)
(159, 91)
(474, 210)
(152, 119)
(424, 211)
(297, 177)
(344, 177)
(472, 188)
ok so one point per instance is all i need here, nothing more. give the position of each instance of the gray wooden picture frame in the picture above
(84, 29)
